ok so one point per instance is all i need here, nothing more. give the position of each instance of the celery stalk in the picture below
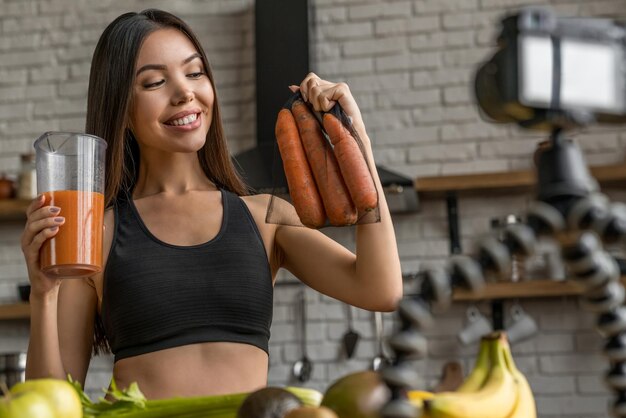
(200, 407)
(131, 403)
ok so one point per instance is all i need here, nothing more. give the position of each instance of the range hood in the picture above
(282, 59)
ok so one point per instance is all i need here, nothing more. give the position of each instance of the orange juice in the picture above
(76, 250)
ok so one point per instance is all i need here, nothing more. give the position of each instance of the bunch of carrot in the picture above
(328, 179)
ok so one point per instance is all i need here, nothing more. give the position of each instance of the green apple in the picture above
(26, 405)
(60, 394)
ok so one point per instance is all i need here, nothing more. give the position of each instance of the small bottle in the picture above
(517, 262)
(27, 179)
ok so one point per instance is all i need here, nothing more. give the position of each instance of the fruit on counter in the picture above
(480, 372)
(60, 394)
(269, 402)
(417, 398)
(357, 395)
(420, 395)
(496, 398)
(495, 388)
(26, 405)
(311, 412)
(525, 407)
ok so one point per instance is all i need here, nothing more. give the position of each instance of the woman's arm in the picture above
(44, 355)
(43, 358)
(62, 310)
(61, 331)
(371, 278)
(78, 304)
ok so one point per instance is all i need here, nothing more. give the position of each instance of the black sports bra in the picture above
(158, 295)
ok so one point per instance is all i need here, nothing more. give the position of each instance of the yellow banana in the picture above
(417, 398)
(477, 377)
(495, 399)
(525, 407)
(421, 395)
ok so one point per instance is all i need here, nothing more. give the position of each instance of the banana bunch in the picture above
(494, 389)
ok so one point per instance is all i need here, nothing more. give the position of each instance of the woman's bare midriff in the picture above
(195, 370)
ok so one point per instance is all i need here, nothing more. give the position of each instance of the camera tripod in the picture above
(570, 209)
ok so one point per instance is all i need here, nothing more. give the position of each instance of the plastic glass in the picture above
(70, 174)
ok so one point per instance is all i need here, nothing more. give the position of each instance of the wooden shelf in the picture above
(522, 290)
(13, 209)
(507, 181)
(15, 311)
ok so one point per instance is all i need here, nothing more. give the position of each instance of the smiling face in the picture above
(173, 98)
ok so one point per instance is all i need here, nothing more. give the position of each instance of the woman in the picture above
(186, 293)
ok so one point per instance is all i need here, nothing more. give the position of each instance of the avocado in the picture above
(269, 402)
(311, 412)
(357, 395)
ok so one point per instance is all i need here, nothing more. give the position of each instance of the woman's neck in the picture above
(175, 174)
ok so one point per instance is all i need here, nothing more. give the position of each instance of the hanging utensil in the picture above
(381, 360)
(351, 337)
(302, 368)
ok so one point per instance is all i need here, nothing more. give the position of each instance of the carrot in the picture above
(332, 188)
(304, 194)
(352, 163)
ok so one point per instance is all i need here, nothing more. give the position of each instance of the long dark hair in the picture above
(109, 99)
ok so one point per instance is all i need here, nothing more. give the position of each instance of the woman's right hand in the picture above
(42, 223)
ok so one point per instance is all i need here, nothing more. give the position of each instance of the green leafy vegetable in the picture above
(131, 403)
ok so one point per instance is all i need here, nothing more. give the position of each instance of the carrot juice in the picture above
(76, 250)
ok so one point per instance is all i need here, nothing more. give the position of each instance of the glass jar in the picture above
(517, 262)
(517, 271)
(7, 187)
(27, 179)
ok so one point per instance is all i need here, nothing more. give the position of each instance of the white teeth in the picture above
(184, 121)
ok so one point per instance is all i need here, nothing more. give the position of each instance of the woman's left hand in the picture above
(324, 94)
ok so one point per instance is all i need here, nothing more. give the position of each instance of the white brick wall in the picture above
(409, 64)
